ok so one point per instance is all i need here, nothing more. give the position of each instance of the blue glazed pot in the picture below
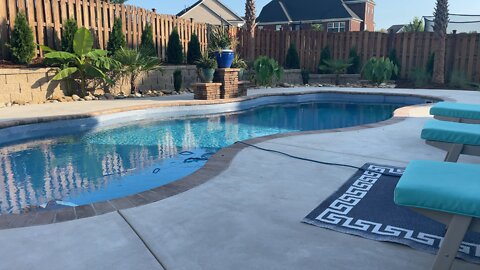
(224, 58)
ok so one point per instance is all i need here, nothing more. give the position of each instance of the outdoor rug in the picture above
(364, 207)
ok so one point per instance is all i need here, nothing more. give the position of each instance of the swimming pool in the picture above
(116, 161)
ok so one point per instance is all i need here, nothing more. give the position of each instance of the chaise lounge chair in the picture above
(455, 138)
(456, 112)
(447, 193)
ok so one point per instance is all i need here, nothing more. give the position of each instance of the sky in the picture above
(388, 12)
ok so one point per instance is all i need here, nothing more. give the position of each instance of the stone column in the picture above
(228, 77)
(206, 91)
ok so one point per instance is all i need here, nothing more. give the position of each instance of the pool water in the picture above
(119, 161)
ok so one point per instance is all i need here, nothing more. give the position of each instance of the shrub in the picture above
(292, 61)
(68, 33)
(177, 80)
(459, 80)
(392, 56)
(379, 70)
(84, 64)
(430, 64)
(194, 53)
(266, 69)
(325, 55)
(336, 67)
(116, 40)
(205, 62)
(420, 77)
(134, 63)
(239, 63)
(174, 49)
(146, 45)
(21, 44)
(305, 76)
(355, 66)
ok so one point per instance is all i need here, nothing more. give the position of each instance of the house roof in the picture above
(305, 10)
(396, 28)
(198, 3)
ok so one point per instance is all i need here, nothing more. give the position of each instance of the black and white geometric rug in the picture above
(364, 207)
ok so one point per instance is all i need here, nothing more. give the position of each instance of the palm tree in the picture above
(440, 29)
(250, 24)
(134, 63)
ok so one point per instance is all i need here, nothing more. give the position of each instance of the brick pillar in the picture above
(206, 91)
(228, 77)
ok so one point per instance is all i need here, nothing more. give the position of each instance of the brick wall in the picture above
(33, 85)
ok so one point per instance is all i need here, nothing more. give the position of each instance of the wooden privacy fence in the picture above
(413, 49)
(46, 18)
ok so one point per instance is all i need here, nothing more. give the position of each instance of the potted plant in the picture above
(206, 68)
(221, 44)
(239, 63)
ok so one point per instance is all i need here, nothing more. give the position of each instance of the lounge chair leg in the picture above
(451, 243)
(454, 153)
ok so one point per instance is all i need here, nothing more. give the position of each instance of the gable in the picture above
(305, 10)
(213, 9)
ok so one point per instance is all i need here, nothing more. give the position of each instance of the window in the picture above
(336, 27)
(278, 27)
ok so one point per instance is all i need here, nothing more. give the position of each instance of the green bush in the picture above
(336, 67)
(174, 49)
(392, 56)
(177, 80)
(21, 44)
(292, 61)
(356, 65)
(305, 76)
(266, 69)
(85, 64)
(68, 33)
(420, 77)
(379, 70)
(146, 45)
(325, 55)
(459, 80)
(194, 53)
(430, 64)
(239, 63)
(116, 40)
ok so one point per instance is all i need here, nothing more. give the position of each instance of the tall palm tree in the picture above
(250, 24)
(440, 29)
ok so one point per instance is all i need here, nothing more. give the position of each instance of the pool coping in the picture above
(217, 164)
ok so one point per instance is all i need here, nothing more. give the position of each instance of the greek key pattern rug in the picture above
(364, 207)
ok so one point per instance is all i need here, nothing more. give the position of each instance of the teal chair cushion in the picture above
(456, 110)
(441, 186)
(451, 132)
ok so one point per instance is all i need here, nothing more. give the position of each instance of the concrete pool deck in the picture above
(247, 217)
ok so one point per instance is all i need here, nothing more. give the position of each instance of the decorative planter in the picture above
(224, 58)
(206, 75)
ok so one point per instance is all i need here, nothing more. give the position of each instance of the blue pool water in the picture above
(121, 161)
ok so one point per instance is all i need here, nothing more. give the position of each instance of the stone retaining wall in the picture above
(33, 85)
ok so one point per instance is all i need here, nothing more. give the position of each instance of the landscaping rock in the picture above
(138, 95)
(66, 99)
(88, 98)
(75, 98)
(109, 96)
(9, 104)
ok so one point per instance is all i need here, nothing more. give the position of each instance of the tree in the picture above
(325, 55)
(174, 49)
(292, 61)
(392, 56)
(146, 45)
(440, 30)
(355, 66)
(250, 24)
(194, 53)
(116, 39)
(416, 25)
(318, 27)
(68, 33)
(21, 44)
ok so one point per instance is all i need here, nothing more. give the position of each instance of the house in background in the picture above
(333, 15)
(212, 12)
(461, 23)
(396, 28)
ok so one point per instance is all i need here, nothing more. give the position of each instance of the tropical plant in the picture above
(205, 62)
(239, 63)
(84, 64)
(68, 34)
(325, 55)
(379, 70)
(440, 30)
(356, 65)
(318, 27)
(220, 39)
(194, 53)
(292, 61)
(135, 63)
(177, 80)
(266, 69)
(392, 56)
(416, 25)
(116, 40)
(250, 25)
(305, 76)
(174, 49)
(336, 67)
(21, 43)
(146, 44)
